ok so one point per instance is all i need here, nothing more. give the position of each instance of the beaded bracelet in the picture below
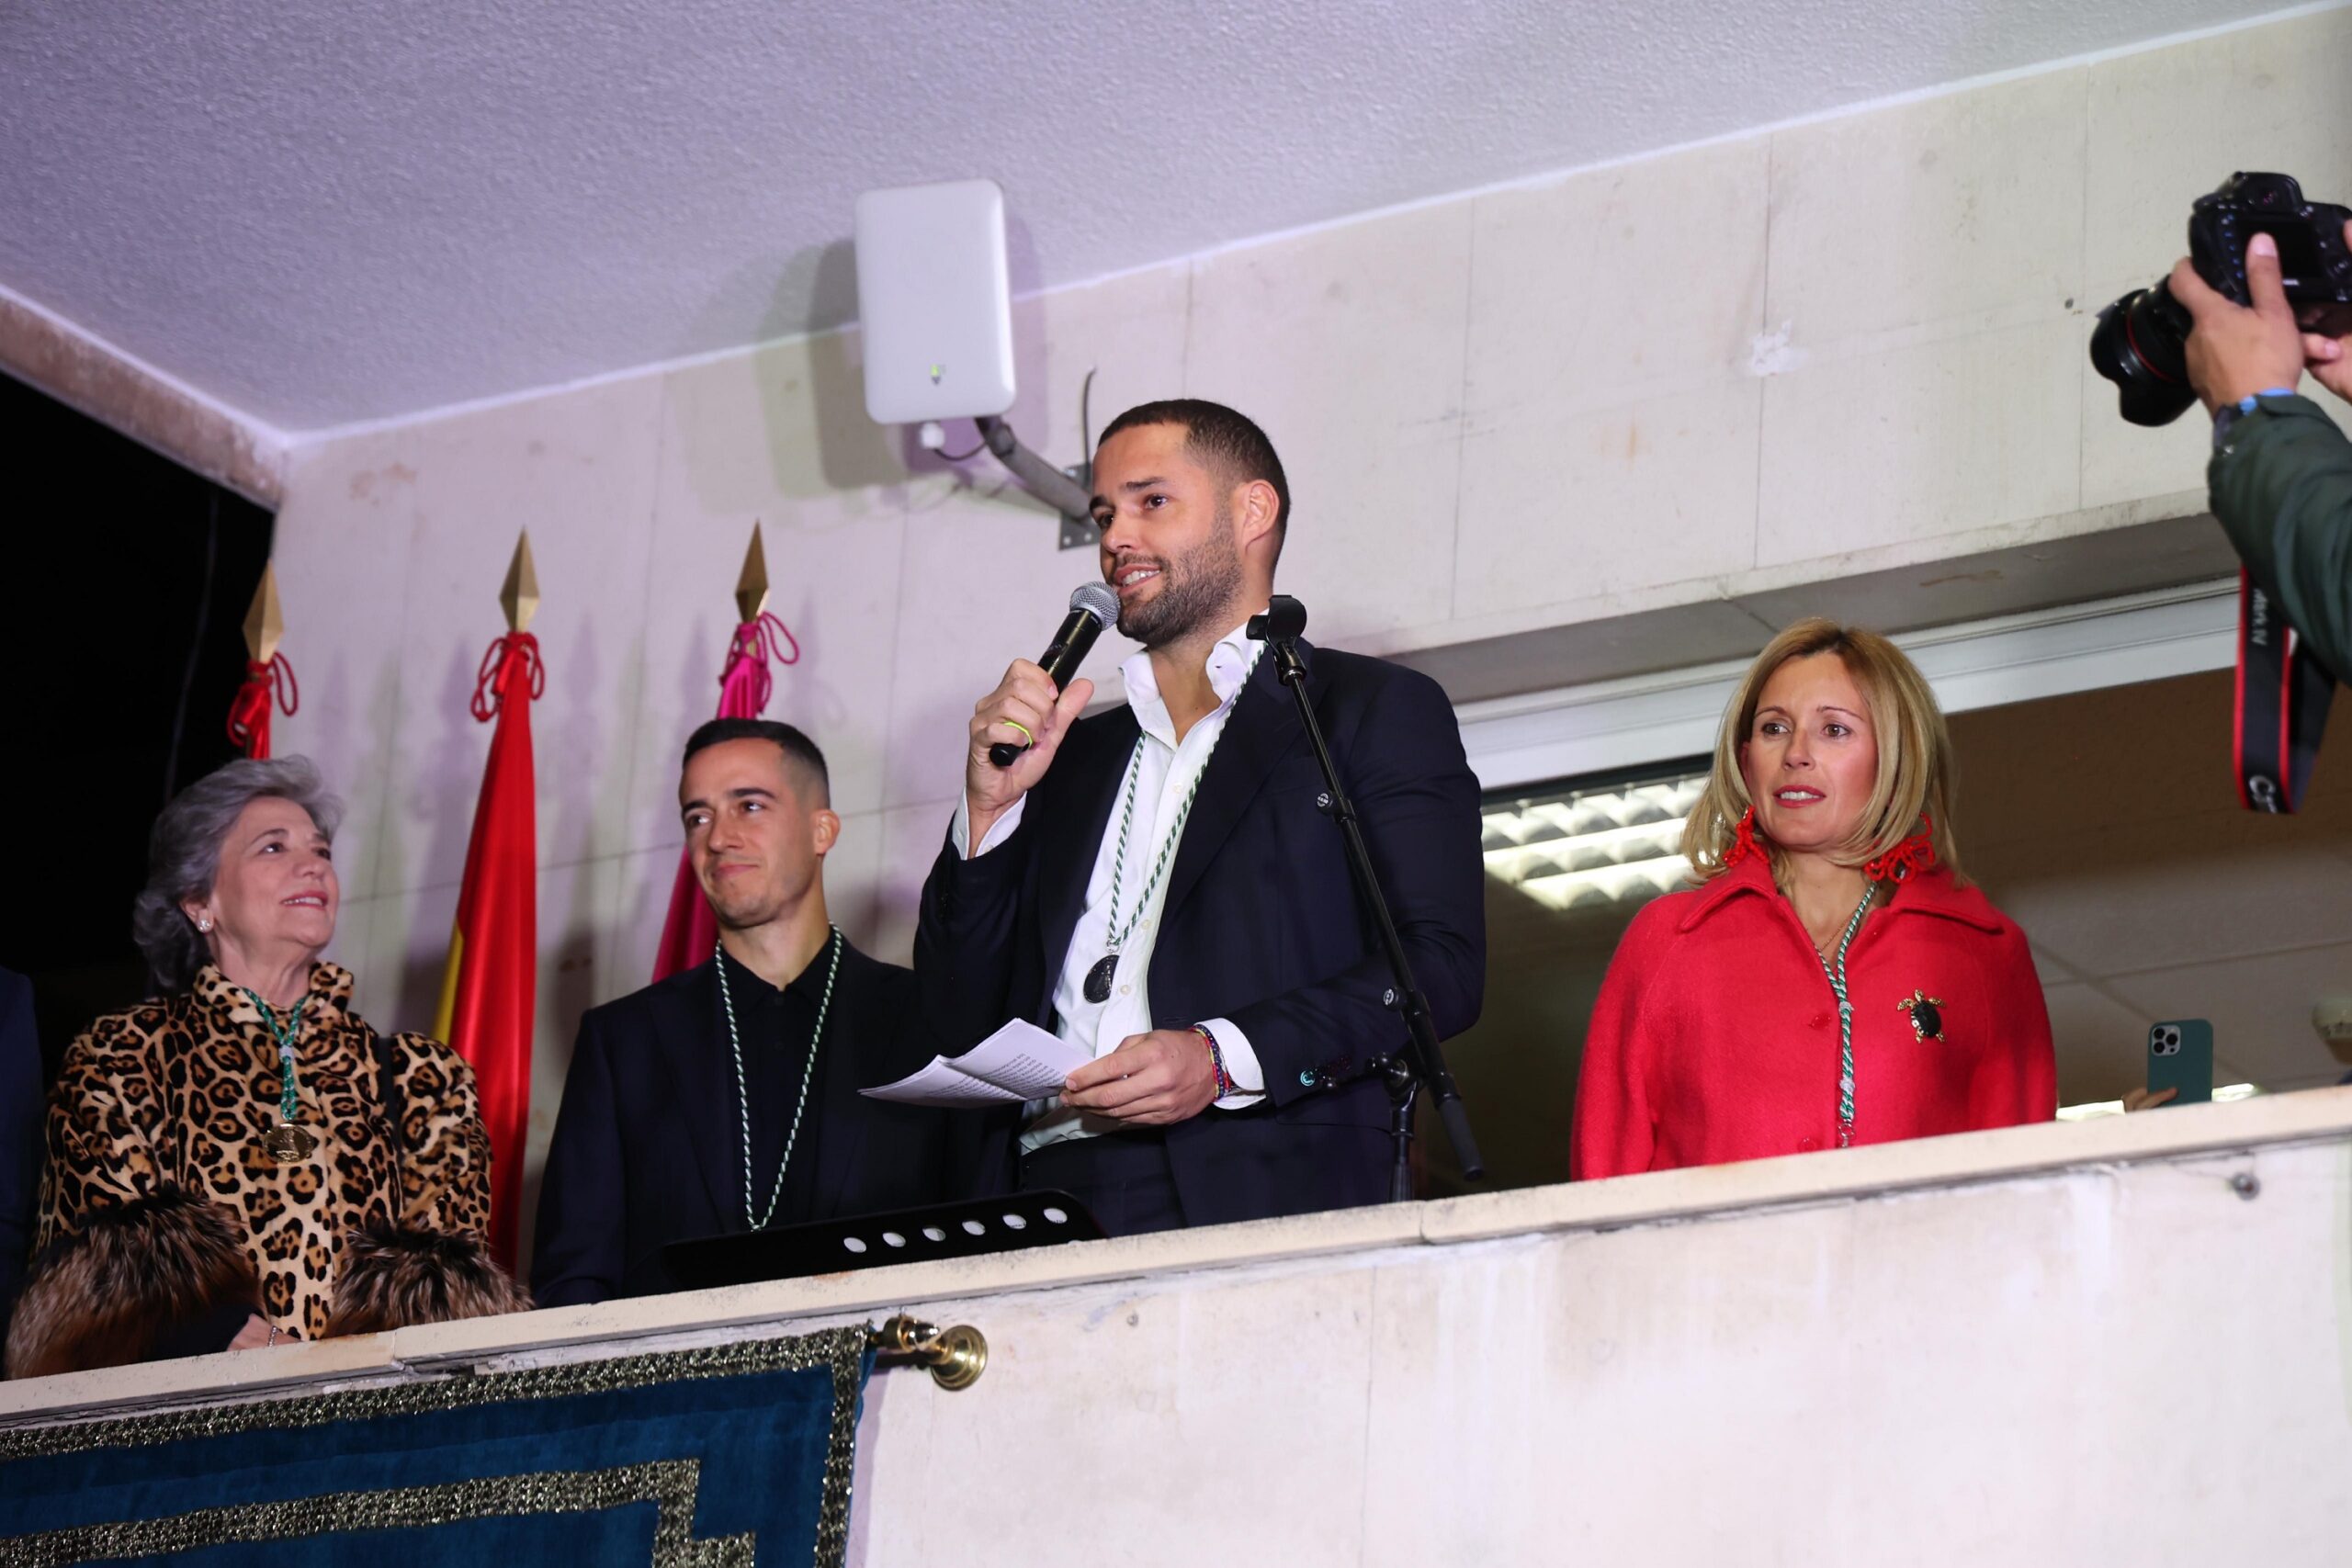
(1225, 1084)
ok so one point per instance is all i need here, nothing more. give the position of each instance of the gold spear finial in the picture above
(751, 588)
(265, 622)
(520, 597)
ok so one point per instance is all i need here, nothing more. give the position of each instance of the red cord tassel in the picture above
(757, 641)
(515, 655)
(249, 709)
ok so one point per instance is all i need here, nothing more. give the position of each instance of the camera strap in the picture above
(2283, 698)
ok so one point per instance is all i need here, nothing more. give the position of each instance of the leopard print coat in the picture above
(176, 1096)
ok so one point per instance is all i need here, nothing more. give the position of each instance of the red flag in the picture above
(488, 993)
(691, 933)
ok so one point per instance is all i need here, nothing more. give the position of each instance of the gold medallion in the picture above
(287, 1143)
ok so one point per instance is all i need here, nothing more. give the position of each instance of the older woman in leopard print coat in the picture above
(243, 1160)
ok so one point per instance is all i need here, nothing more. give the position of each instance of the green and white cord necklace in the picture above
(1837, 974)
(285, 1143)
(1097, 987)
(807, 1075)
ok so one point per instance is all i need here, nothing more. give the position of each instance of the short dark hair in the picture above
(797, 747)
(1223, 438)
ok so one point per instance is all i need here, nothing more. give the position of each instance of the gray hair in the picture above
(184, 856)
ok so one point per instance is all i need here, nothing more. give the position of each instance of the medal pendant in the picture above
(287, 1143)
(1098, 979)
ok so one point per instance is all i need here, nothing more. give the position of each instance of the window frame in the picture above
(1641, 721)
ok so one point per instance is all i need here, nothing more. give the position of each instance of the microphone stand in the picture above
(1422, 1061)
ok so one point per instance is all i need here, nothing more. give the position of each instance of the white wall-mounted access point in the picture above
(934, 302)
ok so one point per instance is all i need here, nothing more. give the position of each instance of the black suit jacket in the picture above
(1261, 923)
(22, 1109)
(647, 1151)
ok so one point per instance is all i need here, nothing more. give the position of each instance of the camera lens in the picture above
(2140, 345)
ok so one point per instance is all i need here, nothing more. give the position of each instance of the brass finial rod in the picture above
(752, 587)
(957, 1356)
(520, 597)
(265, 621)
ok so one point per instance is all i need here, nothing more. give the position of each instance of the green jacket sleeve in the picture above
(2281, 485)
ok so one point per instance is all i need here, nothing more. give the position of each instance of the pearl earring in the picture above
(204, 925)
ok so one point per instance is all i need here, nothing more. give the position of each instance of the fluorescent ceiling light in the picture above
(1593, 846)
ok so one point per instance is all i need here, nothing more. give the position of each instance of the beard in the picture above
(1195, 589)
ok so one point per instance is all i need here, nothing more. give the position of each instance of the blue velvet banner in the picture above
(734, 1455)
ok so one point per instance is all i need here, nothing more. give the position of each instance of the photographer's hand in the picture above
(2329, 359)
(2235, 352)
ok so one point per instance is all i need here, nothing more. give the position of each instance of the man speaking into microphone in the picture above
(1158, 885)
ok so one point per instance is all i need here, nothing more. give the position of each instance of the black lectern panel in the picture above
(871, 1241)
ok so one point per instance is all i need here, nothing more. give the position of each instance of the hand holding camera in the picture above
(2267, 288)
(2265, 295)
(2235, 351)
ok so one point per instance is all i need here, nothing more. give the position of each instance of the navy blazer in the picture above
(646, 1149)
(22, 1110)
(1261, 923)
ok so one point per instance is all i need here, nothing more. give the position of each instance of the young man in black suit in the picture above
(724, 1098)
(1158, 884)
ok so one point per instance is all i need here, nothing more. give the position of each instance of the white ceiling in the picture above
(324, 213)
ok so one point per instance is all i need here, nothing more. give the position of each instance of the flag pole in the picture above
(751, 583)
(520, 597)
(690, 933)
(490, 991)
(268, 676)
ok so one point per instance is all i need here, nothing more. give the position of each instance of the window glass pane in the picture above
(1567, 867)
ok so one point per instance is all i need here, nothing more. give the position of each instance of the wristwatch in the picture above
(2229, 414)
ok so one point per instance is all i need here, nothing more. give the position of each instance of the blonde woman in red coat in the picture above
(1832, 979)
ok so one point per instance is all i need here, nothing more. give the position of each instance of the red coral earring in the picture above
(1743, 840)
(1914, 854)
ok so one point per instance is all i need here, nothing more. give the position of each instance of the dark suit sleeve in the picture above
(2283, 488)
(1417, 802)
(582, 1240)
(967, 944)
(966, 935)
(20, 1135)
(953, 1147)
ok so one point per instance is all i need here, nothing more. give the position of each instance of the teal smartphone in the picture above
(2180, 1057)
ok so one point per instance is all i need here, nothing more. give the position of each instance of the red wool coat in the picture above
(1715, 1035)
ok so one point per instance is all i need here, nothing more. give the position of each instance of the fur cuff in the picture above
(394, 1278)
(133, 1277)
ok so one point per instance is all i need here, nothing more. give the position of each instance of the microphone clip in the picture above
(1284, 620)
(1280, 627)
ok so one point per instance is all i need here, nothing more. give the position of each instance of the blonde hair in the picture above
(1915, 768)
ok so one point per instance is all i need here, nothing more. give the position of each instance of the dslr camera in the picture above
(2142, 341)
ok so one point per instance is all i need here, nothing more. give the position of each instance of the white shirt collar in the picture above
(1230, 664)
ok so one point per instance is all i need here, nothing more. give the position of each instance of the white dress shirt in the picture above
(1166, 772)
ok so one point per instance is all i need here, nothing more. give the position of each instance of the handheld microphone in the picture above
(1093, 607)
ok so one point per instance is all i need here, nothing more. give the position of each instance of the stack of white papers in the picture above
(1020, 1062)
